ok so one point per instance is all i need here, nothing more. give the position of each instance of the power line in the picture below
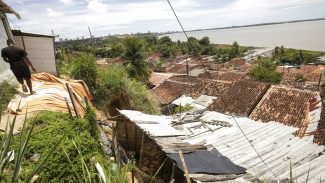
(242, 131)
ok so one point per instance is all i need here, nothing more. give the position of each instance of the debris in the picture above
(35, 157)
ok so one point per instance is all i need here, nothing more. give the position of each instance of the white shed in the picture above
(5, 33)
(40, 49)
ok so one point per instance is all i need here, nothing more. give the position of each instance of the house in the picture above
(40, 49)
(241, 98)
(215, 149)
(5, 33)
(290, 106)
(223, 75)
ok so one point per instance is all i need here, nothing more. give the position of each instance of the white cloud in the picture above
(51, 13)
(67, 2)
(114, 16)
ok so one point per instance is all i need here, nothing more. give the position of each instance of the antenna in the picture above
(91, 36)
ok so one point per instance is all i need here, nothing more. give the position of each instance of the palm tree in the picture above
(134, 61)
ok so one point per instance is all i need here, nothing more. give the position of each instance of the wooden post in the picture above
(66, 102)
(141, 150)
(188, 180)
(141, 154)
(172, 175)
(72, 100)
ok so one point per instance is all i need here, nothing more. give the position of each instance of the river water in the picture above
(309, 35)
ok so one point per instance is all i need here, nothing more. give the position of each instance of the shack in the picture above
(215, 149)
(40, 49)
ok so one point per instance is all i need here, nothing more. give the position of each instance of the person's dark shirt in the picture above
(15, 55)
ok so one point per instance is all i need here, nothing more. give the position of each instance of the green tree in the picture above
(134, 61)
(265, 70)
(205, 41)
(276, 51)
(165, 40)
(167, 50)
(234, 52)
(117, 50)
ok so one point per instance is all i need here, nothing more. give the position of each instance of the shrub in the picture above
(90, 116)
(49, 128)
(165, 40)
(84, 68)
(114, 84)
(265, 70)
(205, 41)
(7, 92)
(117, 50)
(167, 51)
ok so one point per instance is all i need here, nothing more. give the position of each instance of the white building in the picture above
(40, 49)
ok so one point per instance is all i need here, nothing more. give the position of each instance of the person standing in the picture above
(19, 62)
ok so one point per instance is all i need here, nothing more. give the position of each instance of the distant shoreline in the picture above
(250, 25)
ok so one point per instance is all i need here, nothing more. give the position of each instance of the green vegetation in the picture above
(295, 57)
(77, 149)
(113, 47)
(134, 59)
(116, 90)
(111, 87)
(300, 78)
(11, 162)
(181, 109)
(7, 92)
(265, 70)
(84, 68)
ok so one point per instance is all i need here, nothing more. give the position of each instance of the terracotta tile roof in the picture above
(177, 68)
(208, 87)
(157, 78)
(227, 76)
(319, 137)
(216, 67)
(185, 79)
(285, 105)
(318, 69)
(241, 98)
(310, 77)
(169, 91)
(236, 62)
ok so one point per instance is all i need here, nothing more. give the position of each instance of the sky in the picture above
(71, 18)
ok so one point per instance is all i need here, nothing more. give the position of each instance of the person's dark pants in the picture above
(21, 72)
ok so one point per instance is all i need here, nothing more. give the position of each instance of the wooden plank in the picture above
(184, 166)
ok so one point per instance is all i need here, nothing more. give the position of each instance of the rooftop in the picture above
(286, 105)
(219, 133)
(208, 87)
(241, 98)
(220, 75)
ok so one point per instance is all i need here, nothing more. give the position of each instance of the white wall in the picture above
(40, 51)
(5, 72)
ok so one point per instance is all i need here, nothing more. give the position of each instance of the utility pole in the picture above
(91, 36)
(53, 33)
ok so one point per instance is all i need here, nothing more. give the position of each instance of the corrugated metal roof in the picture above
(274, 141)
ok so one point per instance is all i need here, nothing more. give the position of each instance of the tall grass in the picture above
(6, 155)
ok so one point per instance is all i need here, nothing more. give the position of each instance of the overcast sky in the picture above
(70, 18)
